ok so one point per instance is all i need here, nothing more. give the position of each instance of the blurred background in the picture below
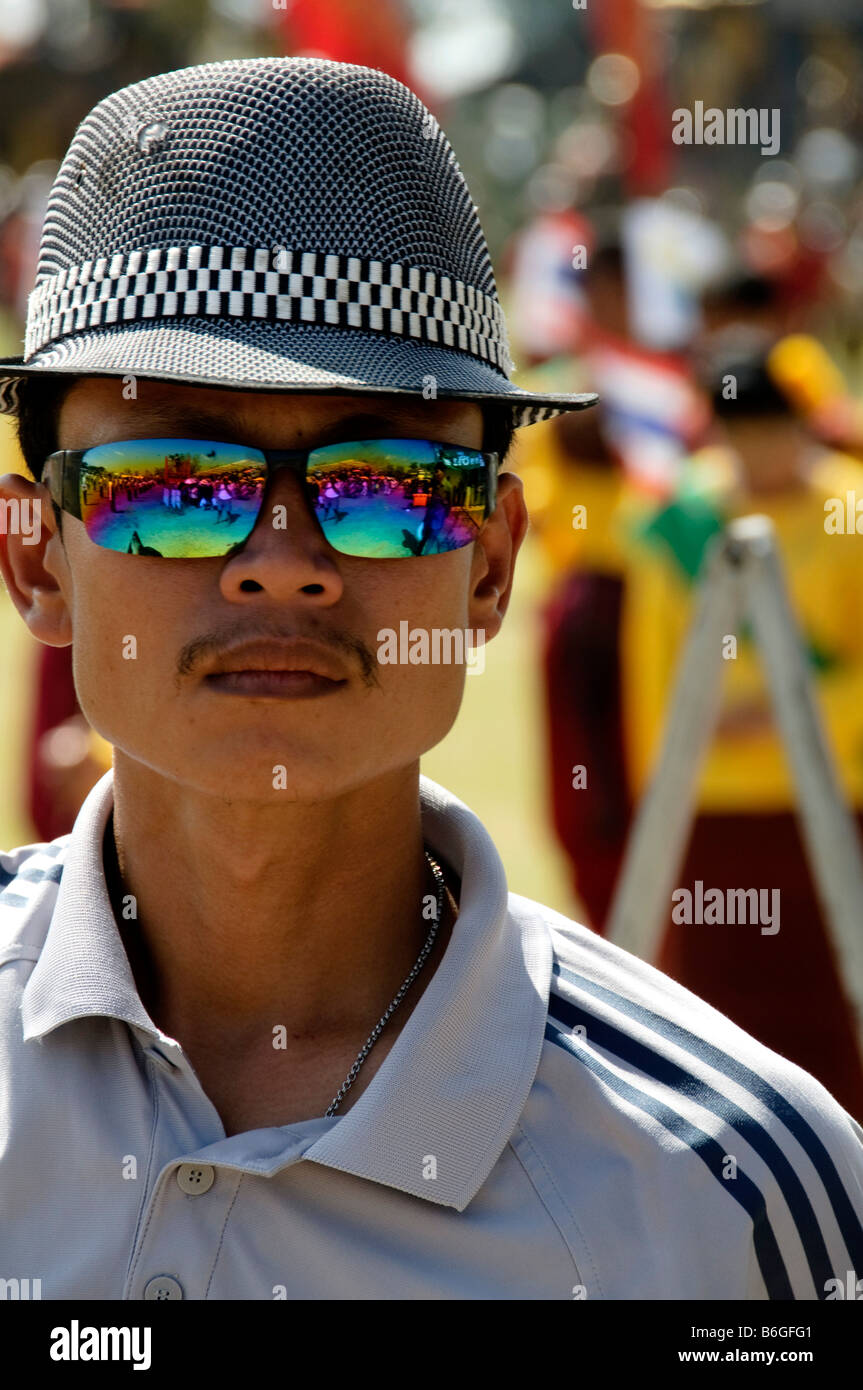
(653, 271)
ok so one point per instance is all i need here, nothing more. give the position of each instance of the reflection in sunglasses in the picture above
(372, 499)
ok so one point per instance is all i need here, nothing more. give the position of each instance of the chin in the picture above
(273, 772)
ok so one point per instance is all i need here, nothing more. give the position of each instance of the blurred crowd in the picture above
(750, 417)
(712, 296)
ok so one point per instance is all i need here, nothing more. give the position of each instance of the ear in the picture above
(32, 559)
(495, 549)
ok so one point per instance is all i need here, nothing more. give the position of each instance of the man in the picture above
(271, 1024)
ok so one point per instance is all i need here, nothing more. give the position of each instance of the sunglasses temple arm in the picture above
(52, 478)
(61, 479)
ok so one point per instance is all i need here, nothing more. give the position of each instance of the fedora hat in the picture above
(273, 224)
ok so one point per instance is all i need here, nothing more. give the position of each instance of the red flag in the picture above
(349, 31)
(625, 26)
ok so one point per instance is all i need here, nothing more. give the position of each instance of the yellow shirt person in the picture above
(746, 767)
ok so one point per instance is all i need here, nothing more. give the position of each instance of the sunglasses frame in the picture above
(61, 472)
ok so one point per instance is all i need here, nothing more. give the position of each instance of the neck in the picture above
(308, 916)
(775, 465)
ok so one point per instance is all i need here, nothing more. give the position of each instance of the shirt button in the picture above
(196, 1178)
(162, 1287)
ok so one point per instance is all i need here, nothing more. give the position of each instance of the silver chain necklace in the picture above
(418, 965)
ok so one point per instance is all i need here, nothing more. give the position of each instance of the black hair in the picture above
(606, 259)
(743, 291)
(40, 399)
(755, 394)
(498, 431)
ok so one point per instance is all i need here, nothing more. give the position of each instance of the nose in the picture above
(287, 553)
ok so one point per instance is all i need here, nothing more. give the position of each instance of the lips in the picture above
(297, 655)
(279, 685)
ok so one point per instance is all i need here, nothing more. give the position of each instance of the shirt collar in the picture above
(83, 969)
(438, 1113)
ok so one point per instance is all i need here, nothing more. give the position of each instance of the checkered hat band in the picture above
(272, 284)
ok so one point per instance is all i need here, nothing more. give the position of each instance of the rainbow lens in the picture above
(393, 498)
(179, 498)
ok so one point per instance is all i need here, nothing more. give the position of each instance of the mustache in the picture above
(200, 649)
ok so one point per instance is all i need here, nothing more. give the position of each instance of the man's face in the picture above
(146, 630)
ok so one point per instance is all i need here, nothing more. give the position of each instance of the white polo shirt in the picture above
(557, 1120)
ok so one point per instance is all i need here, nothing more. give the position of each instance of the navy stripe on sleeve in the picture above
(743, 1189)
(663, 1069)
(53, 875)
(812, 1145)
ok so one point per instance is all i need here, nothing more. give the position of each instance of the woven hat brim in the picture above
(267, 356)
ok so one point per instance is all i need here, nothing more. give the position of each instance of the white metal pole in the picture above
(829, 829)
(657, 840)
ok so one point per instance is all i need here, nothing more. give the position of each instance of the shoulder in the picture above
(756, 1150)
(29, 880)
(634, 1011)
